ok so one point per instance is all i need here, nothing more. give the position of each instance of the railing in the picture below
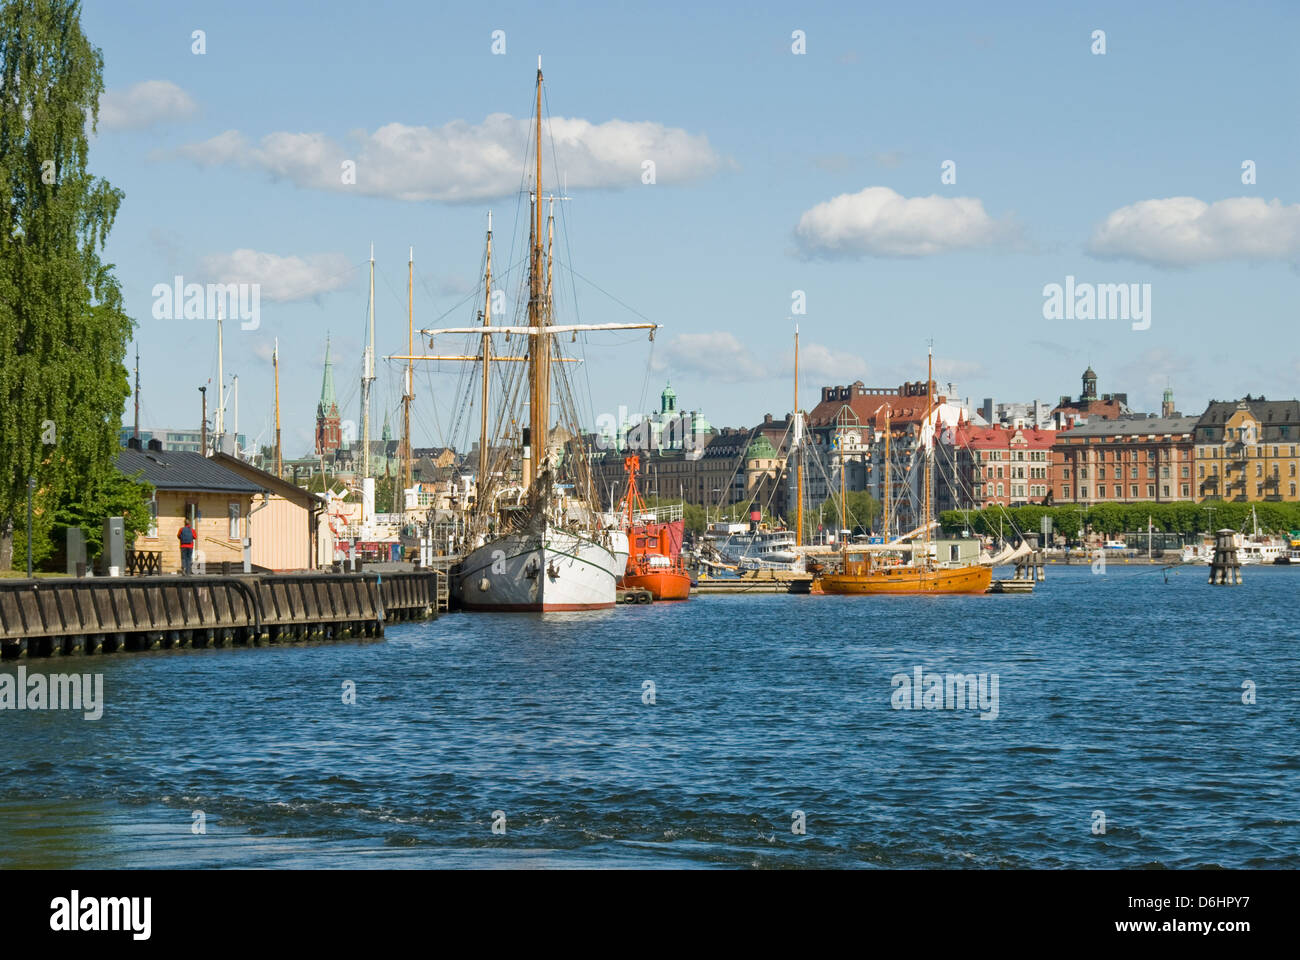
(143, 563)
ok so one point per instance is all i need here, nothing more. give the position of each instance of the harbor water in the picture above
(1139, 718)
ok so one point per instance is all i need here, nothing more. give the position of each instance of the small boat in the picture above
(654, 557)
(880, 568)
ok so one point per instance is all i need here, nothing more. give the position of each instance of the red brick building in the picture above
(329, 436)
(981, 467)
(1132, 460)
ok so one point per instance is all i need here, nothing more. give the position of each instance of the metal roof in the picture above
(1131, 426)
(178, 470)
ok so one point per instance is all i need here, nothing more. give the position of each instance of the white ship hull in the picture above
(550, 570)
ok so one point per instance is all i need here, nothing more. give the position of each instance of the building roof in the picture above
(984, 438)
(177, 470)
(1132, 426)
(1265, 411)
(269, 481)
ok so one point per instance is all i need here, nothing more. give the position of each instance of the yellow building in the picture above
(188, 485)
(287, 527)
(1247, 450)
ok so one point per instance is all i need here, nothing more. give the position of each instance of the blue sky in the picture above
(1067, 163)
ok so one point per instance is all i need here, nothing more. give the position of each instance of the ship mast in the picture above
(275, 366)
(929, 408)
(368, 376)
(539, 347)
(410, 378)
(889, 490)
(221, 387)
(136, 433)
(798, 437)
(487, 357)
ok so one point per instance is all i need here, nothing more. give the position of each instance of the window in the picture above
(234, 520)
(1119, 492)
(1133, 473)
(1083, 493)
(1133, 491)
(153, 517)
(1101, 473)
(1065, 492)
(1187, 492)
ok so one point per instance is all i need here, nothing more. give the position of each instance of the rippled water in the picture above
(1120, 694)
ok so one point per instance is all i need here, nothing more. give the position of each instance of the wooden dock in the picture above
(106, 614)
(766, 581)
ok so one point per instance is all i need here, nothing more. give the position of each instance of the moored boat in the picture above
(880, 569)
(654, 559)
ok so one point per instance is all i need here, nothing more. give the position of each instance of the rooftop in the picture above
(177, 470)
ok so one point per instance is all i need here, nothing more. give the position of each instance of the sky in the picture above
(882, 177)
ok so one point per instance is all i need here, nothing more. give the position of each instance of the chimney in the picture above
(154, 444)
(133, 443)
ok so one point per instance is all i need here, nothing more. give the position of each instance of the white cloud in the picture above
(1180, 231)
(881, 223)
(725, 358)
(463, 162)
(720, 355)
(821, 365)
(282, 279)
(144, 105)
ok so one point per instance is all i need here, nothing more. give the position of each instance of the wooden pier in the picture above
(105, 614)
(763, 581)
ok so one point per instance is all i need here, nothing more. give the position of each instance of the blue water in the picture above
(1119, 693)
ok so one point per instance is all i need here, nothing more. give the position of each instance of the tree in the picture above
(863, 511)
(63, 333)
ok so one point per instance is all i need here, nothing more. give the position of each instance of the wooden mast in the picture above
(539, 347)
(929, 408)
(889, 490)
(798, 439)
(487, 358)
(275, 366)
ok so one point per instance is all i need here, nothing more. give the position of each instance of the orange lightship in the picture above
(654, 550)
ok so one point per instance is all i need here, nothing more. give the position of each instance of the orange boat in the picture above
(654, 549)
(871, 572)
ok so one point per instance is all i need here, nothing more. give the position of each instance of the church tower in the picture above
(1089, 385)
(327, 411)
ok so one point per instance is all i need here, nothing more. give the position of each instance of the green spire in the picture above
(388, 433)
(668, 399)
(328, 406)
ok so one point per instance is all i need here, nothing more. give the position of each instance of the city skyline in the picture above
(819, 173)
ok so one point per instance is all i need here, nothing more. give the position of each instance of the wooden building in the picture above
(288, 527)
(217, 501)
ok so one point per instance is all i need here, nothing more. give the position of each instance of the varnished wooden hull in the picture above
(907, 580)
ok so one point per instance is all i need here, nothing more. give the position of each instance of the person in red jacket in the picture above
(187, 536)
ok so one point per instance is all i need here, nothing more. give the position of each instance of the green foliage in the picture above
(63, 332)
(1110, 519)
(863, 511)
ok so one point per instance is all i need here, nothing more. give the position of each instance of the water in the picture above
(1120, 694)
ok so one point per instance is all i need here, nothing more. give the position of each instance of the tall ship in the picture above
(654, 559)
(534, 542)
(903, 568)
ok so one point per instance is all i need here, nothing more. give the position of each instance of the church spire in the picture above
(327, 406)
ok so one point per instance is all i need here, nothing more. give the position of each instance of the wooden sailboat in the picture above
(534, 546)
(880, 570)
